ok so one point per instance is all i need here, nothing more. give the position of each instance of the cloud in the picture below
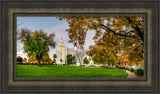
(59, 30)
(89, 41)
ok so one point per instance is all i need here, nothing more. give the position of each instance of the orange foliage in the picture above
(24, 60)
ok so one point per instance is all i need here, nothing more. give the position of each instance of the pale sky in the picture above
(50, 25)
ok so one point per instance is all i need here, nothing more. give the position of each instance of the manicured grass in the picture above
(62, 71)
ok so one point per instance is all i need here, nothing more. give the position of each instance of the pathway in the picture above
(130, 74)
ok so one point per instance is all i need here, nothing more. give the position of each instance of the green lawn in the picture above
(62, 71)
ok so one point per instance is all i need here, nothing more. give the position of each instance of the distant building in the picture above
(62, 53)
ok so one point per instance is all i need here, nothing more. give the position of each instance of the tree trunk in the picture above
(80, 67)
(137, 64)
(39, 64)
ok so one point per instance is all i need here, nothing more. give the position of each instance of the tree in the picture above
(31, 59)
(54, 57)
(54, 61)
(80, 54)
(61, 60)
(71, 59)
(115, 33)
(24, 60)
(36, 44)
(85, 60)
(19, 59)
(99, 54)
(46, 58)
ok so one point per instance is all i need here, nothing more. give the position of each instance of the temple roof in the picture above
(61, 41)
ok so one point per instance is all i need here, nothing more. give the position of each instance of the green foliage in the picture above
(113, 63)
(61, 60)
(54, 61)
(81, 65)
(71, 59)
(98, 55)
(139, 72)
(54, 56)
(85, 60)
(121, 67)
(36, 44)
(127, 68)
(131, 69)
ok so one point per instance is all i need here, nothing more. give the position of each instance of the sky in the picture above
(50, 25)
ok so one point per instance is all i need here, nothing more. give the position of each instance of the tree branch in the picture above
(139, 32)
(115, 32)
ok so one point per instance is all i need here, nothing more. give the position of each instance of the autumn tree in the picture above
(100, 55)
(46, 58)
(115, 33)
(31, 59)
(36, 44)
(24, 60)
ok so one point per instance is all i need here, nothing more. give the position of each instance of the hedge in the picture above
(139, 72)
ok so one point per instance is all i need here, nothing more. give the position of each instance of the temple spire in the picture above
(61, 41)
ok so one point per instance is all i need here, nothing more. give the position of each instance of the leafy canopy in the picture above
(36, 44)
(71, 59)
(117, 35)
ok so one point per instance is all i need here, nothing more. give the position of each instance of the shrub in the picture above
(82, 65)
(122, 67)
(33, 63)
(25, 63)
(19, 63)
(139, 72)
(126, 68)
(119, 66)
(47, 64)
(19, 59)
(132, 69)
(111, 68)
(92, 66)
(103, 66)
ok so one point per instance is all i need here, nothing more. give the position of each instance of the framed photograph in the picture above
(79, 46)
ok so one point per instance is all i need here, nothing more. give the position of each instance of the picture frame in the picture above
(12, 8)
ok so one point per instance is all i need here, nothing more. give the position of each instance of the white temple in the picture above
(62, 53)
